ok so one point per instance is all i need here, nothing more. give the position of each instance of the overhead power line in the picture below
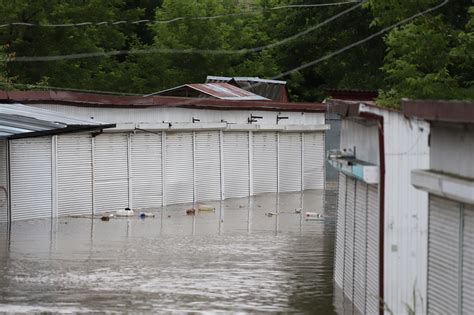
(176, 19)
(183, 51)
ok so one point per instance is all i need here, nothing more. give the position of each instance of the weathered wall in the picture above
(361, 136)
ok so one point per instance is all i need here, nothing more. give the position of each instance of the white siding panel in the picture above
(373, 258)
(264, 162)
(236, 164)
(443, 256)
(314, 160)
(290, 162)
(468, 261)
(3, 182)
(147, 174)
(179, 167)
(360, 246)
(349, 239)
(340, 230)
(74, 169)
(31, 189)
(208, 177)
(111, 172)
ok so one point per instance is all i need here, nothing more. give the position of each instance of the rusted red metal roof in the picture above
(443, 111)
(104, 100)
(224, 91)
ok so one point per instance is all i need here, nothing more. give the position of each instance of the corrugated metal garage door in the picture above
(208, 172)
(290, 162)
(179, 167)
(147, 176)
(74, 169)
(360, 246)
(373, 250)
(340, 231)
(443, 256)
(31, 189)
(264, 162)
(236, 164)
(349, 239)
(314, 160)
(111, 172)
(3, 182)
(468, 261)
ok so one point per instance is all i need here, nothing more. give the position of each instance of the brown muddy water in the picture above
(235, 259)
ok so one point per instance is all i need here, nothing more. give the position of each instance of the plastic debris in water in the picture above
(206, 208)
(124, 213)
(146, 214)
(270, 214)
(313, 215)
(298, 210)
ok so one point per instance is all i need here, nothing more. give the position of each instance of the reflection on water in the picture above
(235, 258)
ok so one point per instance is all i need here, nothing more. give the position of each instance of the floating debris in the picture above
(313, 215)
(298, 210)
(206, 208)
(271, 214)
(146, 215)
(190, 211)
(127, 212)
(105, 218)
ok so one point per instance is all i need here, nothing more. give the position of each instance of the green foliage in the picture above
(5, 80)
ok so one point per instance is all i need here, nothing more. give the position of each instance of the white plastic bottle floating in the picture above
(127, 212)
(206, 208)
(313, 215)
(146, 215)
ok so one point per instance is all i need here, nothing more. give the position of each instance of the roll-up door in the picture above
(31, 189)
(349, 239)
(360, 246)
(147, 176)
(314, 160)
(111, 172)
(264, 162)
(179, 167)
(468, 261)
(340, 230)
(443, 256)
(290, 162)
(208, 171)
(74, 173)
(3, 182)
(373, 250)
(236, 164)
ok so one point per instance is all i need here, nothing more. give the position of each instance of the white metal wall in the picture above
(349, 239)
(313, 159)
(265, 170)
(111, 172)
(31, 178)
(340, 231)
(373, 257)
(179, 167)
(3, 182)
(236, 164)
(468, 261)
(146, 161)
(360, 246)
(290, 162)
(74, 174)
(208, 170)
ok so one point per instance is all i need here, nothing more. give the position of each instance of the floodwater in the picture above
(234, 259)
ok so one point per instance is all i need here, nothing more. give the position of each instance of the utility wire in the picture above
(337, 52)
(183, 51)
(311, 63)
(180, 18)
(47, 87)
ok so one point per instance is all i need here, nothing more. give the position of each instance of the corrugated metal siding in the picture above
(74, 173)
(290, 162)
(314, 160)
(147, 174)
(264, 162)
(31, 184)
(3, 182)
(373, 258)
(443, 256)
(360, 246)
(111, 172)
(468, 261)
(236, 164)
(340, 231)
(179, 167)
(349, 239)
(208, 177)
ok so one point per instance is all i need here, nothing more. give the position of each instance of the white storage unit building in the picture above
(381, 220)
(169, 150)
(450, 184)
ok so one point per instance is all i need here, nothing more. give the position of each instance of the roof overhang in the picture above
(440, 111)
(20, 121)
